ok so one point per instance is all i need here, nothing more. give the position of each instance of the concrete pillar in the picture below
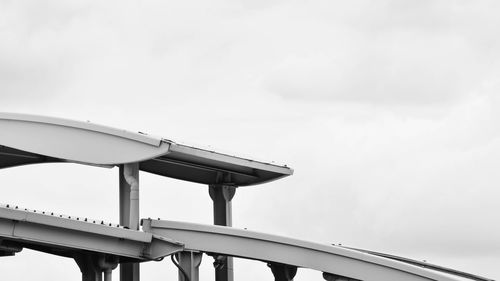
(106, 264)
(92, 266)
(107, 275)
(283, 272)
(222, 195)
(190, 264)
(88, 267)
(129, 212)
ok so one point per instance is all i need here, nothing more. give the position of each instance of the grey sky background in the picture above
(388, 111)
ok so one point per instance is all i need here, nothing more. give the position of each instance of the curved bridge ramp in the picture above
(286, 254)
(98, 247)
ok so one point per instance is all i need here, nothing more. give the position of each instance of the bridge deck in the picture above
(30, 139)
(66, 236)
(69, 236)
(270, 248)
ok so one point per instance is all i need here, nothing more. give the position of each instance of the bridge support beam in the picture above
(333, 277)
(222, 195)
(190, 264)
(283, 272)
(9, 249)
(129, 212)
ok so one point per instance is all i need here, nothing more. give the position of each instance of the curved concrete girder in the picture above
(270, 248)
(30, 139)
(425, 265)
(76, 141)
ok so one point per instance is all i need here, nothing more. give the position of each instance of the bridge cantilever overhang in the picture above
(30, 139)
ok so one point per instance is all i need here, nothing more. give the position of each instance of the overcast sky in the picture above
(388, 111)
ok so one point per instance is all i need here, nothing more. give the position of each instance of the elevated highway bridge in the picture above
(98, 247)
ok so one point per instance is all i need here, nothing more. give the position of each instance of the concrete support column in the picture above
(88, 267)
(106, 265)
(129, 212)
(190, 264)
(107, 275)
(283, 272)
(222, 195)
(94, 265)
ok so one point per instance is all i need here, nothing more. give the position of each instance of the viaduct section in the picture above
(99, 247)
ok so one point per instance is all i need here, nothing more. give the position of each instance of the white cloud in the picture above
(387, 112)
(389, 55)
